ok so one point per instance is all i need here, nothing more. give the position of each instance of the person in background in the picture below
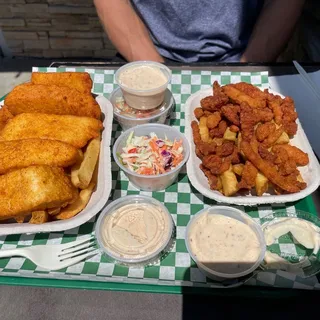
(199, 30)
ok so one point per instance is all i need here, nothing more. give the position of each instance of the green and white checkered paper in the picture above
(181, 199)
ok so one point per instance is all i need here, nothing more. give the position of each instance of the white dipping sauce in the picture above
(142, 77)
(224, 244)
(136, 231)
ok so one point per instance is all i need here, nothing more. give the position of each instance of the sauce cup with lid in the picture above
(151, 182)
(129, 117)
(143, 83)
(225, 242)
(135, 230)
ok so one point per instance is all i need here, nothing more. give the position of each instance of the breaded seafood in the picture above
(76, 131)
(80, 81)
(5, 116)
(18, 154)
(38, 98)
(32, 189)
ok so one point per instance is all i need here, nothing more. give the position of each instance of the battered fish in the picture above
(34, 188)
(73, 130)
(80, 81)
(18, 154)
(38, 98)
(5, 116)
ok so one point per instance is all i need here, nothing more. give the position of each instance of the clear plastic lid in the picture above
(154, 252)
(123, 110)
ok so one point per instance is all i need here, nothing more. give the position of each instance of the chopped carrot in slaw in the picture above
(150, 155)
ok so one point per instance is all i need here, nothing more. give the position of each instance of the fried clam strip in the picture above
(298, 156)
(248, 177)
(216, 101)
(239, 97)
(202, 148)
(285, 183)
(214, 182)
(250, 116)
(250, 90)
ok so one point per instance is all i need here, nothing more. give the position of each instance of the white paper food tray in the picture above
(100, 195)
(310, 173)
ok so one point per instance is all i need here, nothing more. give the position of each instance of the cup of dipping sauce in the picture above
(143, 83)
(129, 117)
(225, 242)
(135, 230)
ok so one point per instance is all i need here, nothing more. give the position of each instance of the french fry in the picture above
(19, 219)
(229, 182)
(203, 129)
(238, 168)
(89, 162)
(218, 141)
(39, 217)
(53, 211)
(229, 135)
(299, 178)
(261, 184)
(75, 171)
(74, 208)
(283, 139)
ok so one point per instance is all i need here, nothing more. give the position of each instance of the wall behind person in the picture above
(53, 29)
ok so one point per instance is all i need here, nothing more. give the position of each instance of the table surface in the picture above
(34, 303)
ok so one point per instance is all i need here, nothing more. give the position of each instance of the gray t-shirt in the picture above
(199, 30)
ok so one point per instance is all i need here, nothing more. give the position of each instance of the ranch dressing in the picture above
(224, 244)
(142, 77)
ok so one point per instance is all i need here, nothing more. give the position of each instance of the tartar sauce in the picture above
(305, 232)
(142, 77)
(224, 244)
(135, 230)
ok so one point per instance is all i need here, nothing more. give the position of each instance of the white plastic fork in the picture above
(55, 257)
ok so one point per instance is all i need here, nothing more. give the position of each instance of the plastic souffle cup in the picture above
(133, 117)
(144, 99)
(234, 214)
(159, 242)
(151, 182)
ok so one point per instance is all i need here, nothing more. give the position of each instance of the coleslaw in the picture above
(150, 155)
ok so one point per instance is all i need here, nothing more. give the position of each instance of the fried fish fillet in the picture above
(80, 81)
(73, 130)
(34, 188)
(5, 116)
(18, 154)
(38, 98)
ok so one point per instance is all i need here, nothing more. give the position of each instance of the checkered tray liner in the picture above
(181, 199)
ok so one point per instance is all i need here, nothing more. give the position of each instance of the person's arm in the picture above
(272, 30)
(126, 30)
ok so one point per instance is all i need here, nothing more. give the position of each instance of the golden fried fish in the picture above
(34, 188)
(73, 130)
(38, 98)
(18, 154)
(80, 81)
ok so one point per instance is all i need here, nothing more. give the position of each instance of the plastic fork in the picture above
(55, 257)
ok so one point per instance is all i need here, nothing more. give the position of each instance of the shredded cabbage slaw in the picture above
(150, 155)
